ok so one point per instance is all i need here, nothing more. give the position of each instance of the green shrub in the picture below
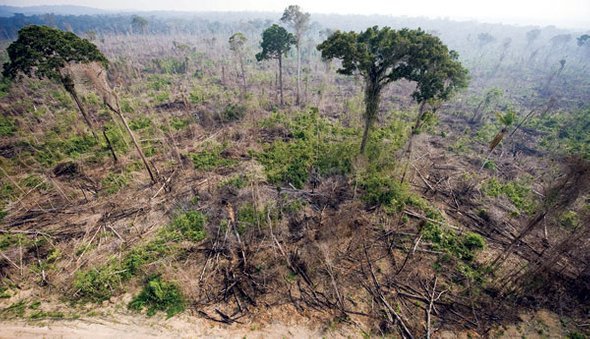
(383, 190)
(191, 225)
(178, 123)
(463, 247)
(77, 145)
(197, 95)
(248, 216)
(101, 283)
(7, 126)
(15, 310)
(98, 284)
(7, 192)
(145, 254)
(517, 192)
(116, 137)
(4, 87)
(140, 123)
(569, 219)
(233, 112)
(8, 240)
(210, 157)
(317, 145)
(158, 295)
(158, 82)
(161, 97)
(113, 182)
(237, 181)
(34, 181)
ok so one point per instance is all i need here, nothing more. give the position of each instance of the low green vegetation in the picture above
(463, 247)
(383, 190)
(518, 192)
(233, 112)
(113, 182)
(210, 157)
(188, 226)
(98, 284)
(179, 123)
(316, 145)
(566, 132)
(159, 295)
(237, 181)
(7, 126)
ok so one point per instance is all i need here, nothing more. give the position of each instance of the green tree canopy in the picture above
(299, 23)
(583, 40)
(276, 42)
(237, 42)
(43, 52)
(384, 55)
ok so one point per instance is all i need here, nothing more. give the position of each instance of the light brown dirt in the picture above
(178, 327)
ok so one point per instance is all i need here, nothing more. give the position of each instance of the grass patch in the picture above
(317, 145)
(383, 190)
(159, 295)
(190, 226)
(7, 126)
(517, 192)
(178, 123)
(211, 157)
(464, 247)
(98, 284)
(16, 310)
(140, 123)
(113, 182)
(238, 181)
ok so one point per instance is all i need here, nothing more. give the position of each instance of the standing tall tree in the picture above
(47, 52)
(299, 22)
(276, 42)
(436, 70)
(382, 56)
(139, 24)
(532, 35)
(237, 44)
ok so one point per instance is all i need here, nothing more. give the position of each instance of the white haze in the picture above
(562, 13)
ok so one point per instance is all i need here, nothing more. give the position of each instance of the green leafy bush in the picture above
(517, 192)
(190, 225)
(158, 295)
(98, 284)
(233, 112)
(463, 247)
(7, 126)
(113, 182)
(140, 123)
(210, 157)
(237, 181)
(383, 190)
(178, 123)
(317, 145)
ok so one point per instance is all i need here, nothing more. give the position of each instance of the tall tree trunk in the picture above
(411, 138)
(68, 84)
(104, 133)
(117, 110)
(298, 99)
(530, 226)
(372, 97)
(243, 75)
(281, 78)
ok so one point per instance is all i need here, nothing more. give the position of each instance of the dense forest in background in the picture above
(458, 218)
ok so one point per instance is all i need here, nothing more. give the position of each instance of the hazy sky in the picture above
(566, 13)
